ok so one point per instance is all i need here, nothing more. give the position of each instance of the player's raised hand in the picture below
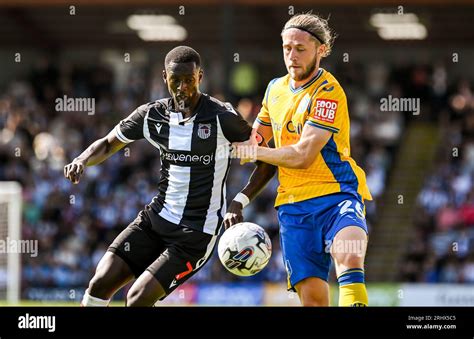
(233, 215)
(74, 170)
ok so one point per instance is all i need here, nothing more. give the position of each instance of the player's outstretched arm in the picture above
(97, 152)
(300, 155)
(257, 181)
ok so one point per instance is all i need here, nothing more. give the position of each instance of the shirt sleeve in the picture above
(263, 117)
(131, 128)
(328, 108)
(233, 125)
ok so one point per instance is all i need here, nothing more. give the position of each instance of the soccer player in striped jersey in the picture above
(322, 191)
(174, 236)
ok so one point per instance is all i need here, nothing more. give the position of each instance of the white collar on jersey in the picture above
(176, 118)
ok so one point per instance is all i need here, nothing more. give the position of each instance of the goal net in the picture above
(10, 231)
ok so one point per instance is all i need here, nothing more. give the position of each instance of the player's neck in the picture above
(299, 83)
(189, 111)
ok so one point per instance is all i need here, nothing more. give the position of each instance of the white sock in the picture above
(90, 301)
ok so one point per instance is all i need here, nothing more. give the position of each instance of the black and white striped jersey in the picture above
(194, 157)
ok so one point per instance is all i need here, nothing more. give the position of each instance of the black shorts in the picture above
(170, 252)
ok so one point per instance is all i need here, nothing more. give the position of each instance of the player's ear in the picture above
(201, 73)
(164, 77)
(322, 50)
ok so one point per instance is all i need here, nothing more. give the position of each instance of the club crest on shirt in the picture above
(204, 131)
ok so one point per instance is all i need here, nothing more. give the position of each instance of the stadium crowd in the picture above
(442, 249)
(74, 224)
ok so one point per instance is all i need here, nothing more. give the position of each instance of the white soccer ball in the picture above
(244, 249)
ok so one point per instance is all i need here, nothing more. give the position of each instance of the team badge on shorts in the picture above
(204, 131)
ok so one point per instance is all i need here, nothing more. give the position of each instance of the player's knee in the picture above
(313, 292)
(134, 297)
(145, 291)
(141, 296)
(349, 260)
(111, 273)
(314, 303)
(99, 286)
(309, 299)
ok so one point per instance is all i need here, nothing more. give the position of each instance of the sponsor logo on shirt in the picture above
(204, 159)
(325, 110)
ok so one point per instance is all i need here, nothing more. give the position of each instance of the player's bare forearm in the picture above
(100, 150)
(300, 155)
(94, 154)
(259, 179)
(287, 156)
(97, 152)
